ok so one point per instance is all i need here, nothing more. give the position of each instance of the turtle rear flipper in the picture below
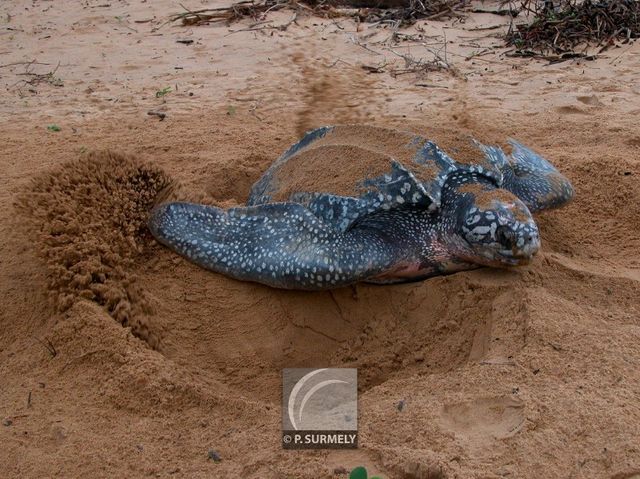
(280, 244)
(530, 177)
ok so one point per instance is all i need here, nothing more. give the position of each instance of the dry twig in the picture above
(37, 78)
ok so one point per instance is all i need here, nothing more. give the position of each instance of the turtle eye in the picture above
(505, 236)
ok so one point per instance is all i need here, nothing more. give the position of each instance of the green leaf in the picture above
(163, 92)
(358, 473)
(53, 128)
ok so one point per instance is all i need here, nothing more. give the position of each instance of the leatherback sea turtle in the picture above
(359, 203)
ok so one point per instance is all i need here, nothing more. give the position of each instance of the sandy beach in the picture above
(526, 373)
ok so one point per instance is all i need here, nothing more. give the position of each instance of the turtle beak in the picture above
(531, 245)
(519, 247)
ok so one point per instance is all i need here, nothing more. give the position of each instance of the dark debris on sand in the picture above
(396, 12)
(564, 27)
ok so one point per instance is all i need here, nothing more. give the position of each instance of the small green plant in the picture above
(231, 110)
(361, 473)
(53, 128)
(163, 92)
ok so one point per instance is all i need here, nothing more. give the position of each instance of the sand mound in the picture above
(87, 219)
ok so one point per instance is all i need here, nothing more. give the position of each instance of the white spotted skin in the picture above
(284, 245)
(534, 180)
(400, 229)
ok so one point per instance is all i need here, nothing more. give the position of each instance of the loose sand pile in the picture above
(87, 219)
(520, 374)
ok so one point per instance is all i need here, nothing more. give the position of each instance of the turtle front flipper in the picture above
(280, 244)
(337, 211)
(530, 177)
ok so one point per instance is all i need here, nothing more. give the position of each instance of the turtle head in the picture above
(494, 228)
